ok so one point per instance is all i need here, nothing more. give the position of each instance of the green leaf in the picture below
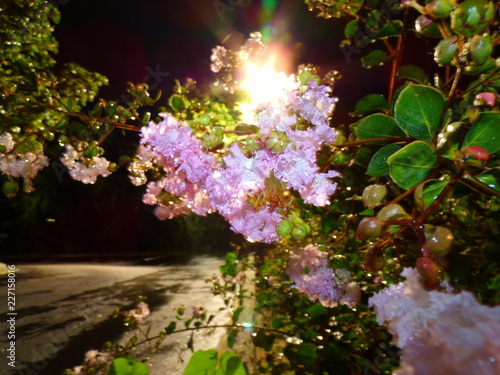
(418, 111)
(317, 310)
(264, 340)
(429, 193)
(301, 355)
(369, 104)
(378, 164)
(377, 126)
(170, 328)
(231, 338)
(413, 73)
(491, 178)
(277, 323)
(412, 164)
(374, 58)
(393, 28)
(351, 29)
(177, 103)
(127, 366)
(231, 364)
(363, 157)
(202, 362)
(485, 132)
(237, 314)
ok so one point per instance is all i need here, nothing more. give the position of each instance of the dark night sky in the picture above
(128, 39)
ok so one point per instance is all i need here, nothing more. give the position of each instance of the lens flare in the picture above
(264, 84)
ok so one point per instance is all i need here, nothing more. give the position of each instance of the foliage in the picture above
(412, 183)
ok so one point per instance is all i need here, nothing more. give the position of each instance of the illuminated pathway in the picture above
(63, 310)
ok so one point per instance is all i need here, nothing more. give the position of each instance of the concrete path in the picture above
(64, 310)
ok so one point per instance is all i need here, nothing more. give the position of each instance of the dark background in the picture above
(156, 42)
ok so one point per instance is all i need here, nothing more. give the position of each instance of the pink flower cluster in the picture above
(95, 363)
(139, 313)
(251, 189)
(309, 270)
(82, 168)
(25, 165)
(170, 145)
(440, 333)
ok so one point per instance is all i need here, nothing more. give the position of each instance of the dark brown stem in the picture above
(397, 61)
(157, 337)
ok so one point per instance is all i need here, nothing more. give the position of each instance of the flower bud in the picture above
(91, 152)
(251, 145)
(440, 8)
(29, 145)
(300, 231)
(307, 75)
(471, 17)
(485, 98)
(284, 228)
(477, 152)
(212, 137)
(294, 228)
(480, 48)
(10, 188)
(429, 272)
(439, 242)
(276, 142)
(369, 227)
(445, 51)
(392, 212)
(373, 195)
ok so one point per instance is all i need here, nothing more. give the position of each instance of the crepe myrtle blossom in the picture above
(181, 149)
(251, 189)
(84, 169)
(309, 270)
(16, 164)
(440, 332)
(198, 310)
(95, 363)
(174, 195)
(139, 313)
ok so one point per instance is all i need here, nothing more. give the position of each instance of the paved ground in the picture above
(63, 310)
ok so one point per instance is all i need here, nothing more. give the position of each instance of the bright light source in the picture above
(263, 83)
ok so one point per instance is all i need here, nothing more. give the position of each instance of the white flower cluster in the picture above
(25, 165)
(440, 333)
(84, 169)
